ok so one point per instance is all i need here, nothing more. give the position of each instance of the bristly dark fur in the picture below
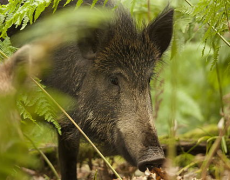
(126, 47)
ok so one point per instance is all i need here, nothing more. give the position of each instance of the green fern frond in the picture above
(67, 2)
(213, 13)
(79, 2)
(35, 103)
(94, 3)
(25, 114)
(6, 49)
(213, 17)
(22, 12)
(216, 50)
(55, 4)
(184, 10)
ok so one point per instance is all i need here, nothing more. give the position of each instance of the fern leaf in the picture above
(25, 22)
(18, 12)
(79, 2)
(35, 102)
(105, 2)
(55, 4)
(93, 4)
(215, 55)
(25, 114)
(6, 48)
(67, 2)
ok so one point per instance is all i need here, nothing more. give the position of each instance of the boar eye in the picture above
(114, 80)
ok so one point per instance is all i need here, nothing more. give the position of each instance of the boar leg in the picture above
(68, 150)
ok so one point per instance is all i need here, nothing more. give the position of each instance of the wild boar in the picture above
(108, 74)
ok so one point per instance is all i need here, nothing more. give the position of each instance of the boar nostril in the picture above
(150, 164)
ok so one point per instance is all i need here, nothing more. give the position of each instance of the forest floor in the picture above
(186, 167)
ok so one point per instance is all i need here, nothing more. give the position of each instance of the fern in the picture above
(22, 12)
(215, 55)
(55, 4)
(67, 2)
(213, 16)
(35, 103)
(93, 4)
(18, 12)
(6, 49)
(79, 2)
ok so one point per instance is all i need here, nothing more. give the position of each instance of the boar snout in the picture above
(151, 157)
(151, 162)
(139, 144)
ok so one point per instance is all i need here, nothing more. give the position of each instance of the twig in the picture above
(208, 158)
(3, 54)
(149, 10)
(75, 124)
(190, 4)
(225, 41)
(214, 148)
(220, 88)
(45, 158)
(224, 159)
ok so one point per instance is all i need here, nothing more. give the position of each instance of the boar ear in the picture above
(160, 30)
(88, 45)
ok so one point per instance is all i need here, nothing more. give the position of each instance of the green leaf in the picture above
(212, 139)
(67, 2)
(55, 5)
(93, 4)
(223, 145)
(79, 2)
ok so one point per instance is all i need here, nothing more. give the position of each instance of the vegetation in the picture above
(191, 91)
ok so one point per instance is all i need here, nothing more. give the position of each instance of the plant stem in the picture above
(149, 10)
(3, 54)
(186, 167)
(190, 4)
(220, 88)
(208, 158)
(45, 158)
(221, 37)
(75, 124)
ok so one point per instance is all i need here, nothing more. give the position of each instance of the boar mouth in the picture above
(150, 163)
(151, 157)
